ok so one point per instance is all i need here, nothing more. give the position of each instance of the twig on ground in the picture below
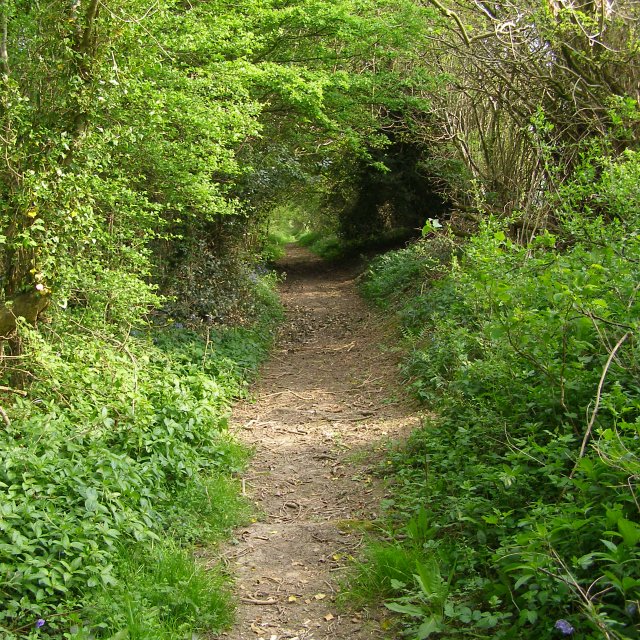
(259, 602)
(20, 392)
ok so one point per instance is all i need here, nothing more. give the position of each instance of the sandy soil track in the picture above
(324, 404)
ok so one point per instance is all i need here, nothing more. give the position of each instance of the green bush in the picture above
(327, 246)
(527, 477)
(120, 440)
(394, 276)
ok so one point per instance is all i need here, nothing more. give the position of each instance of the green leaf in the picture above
(629, 531)
(430, 580)
(433, 625)
(409, 609)
(430, 226)
(522, 580)
(91, 499)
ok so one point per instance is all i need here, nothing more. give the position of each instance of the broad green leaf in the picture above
(409, 609)
(433, 625)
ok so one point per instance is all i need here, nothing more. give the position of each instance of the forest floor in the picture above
(325, 408)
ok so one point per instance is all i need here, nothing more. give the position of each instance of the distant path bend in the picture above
(324, 403)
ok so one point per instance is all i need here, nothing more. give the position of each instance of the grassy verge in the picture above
(114, 467)
(326, 246)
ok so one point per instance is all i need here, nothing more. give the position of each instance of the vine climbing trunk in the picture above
(4, 30)
(34, 122)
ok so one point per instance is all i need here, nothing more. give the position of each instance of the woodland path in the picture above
(325, 405)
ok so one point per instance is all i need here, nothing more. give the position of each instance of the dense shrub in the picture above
(113, 445)
(524, 487)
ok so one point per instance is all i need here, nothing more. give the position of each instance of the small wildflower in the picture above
(40, 286)
(39, 623)
(564, 627)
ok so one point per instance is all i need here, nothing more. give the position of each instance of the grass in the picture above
(379, 574)
(162, 594)
(210, 508)
(331, 247)
(326, 246)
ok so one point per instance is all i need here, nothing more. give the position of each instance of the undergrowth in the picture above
(517, 505)
(114, 463)
(331, 246)
(327, 246)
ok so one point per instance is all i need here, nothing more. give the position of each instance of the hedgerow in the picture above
(116, 456)
(521, 493)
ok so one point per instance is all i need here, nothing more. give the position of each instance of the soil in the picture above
(326, 406)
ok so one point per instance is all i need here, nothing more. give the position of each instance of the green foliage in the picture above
(121, 442)
(385, 569)
(326, 246)
(210, 506)
(395, 275)
(526, 481)
(220, 290)
(142, 150)
(162, 594)
(332, 247)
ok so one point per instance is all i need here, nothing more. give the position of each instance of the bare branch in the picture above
(447, 13)
(4, 29)
(594, 414)
(20, 392)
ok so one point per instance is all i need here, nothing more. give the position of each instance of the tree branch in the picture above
(592, 421)
(4, 29)
(447, 13)
(20, 392)
(92, 12)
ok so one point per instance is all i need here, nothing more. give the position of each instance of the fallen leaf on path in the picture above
(328, 617)
(320, 596)
(292, 599)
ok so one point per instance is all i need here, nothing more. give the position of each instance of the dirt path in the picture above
(324, 405)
